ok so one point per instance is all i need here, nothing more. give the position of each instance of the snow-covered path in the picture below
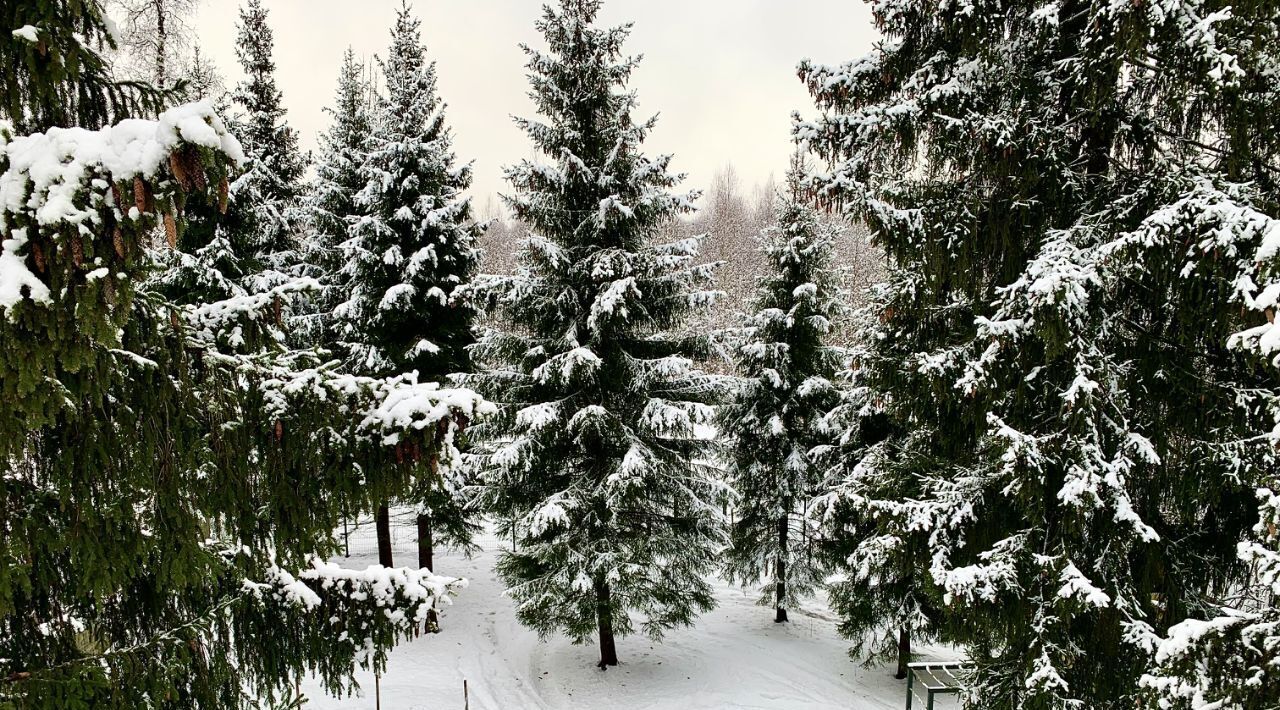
(734, 657)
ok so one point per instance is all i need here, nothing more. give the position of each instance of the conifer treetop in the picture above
(413, 245)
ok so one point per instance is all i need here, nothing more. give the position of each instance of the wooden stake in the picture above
(377, 691)
(466, 697)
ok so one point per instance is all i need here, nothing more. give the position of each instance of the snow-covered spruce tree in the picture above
(203, 81)
(262, 227)
(168, 501)
(595, 458)
(880, 584)
(410, 254)
(1061, 191)
(54, 68)
(330, 206)
(1229, 658)
(774, 420)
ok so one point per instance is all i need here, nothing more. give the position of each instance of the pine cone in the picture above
(141, 195)
(279, 430)
(38, 254)
(109, 291)
(171, 231)
(195, 169)
(117, 239)
(223, 193)
(179, 171)
(77, 251)
(115, 195)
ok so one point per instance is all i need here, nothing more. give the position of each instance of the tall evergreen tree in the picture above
(410, 255)
(255, 250)
(330, 206)
(168, 500)
(596, 459)
(775, 420)
(262, 229)
(880, 585)
(203, 80)
(1062, 190)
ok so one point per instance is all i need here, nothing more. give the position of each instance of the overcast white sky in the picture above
(721, 73)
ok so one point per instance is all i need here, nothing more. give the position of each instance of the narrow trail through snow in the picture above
(734, 657)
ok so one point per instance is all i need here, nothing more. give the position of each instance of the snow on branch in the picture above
(77, 199)
(402, 596)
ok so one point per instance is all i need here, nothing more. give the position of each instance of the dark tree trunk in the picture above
(425, 542)
(604, 619)
(425, 561)
(780, 591)
(904, 652)
(384, 536)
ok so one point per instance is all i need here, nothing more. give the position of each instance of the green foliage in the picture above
(1065, 193)
(158, 486)
(61, 78)
(594, 460)
(330, 207)
(413, 252)
(262, 228)
(775, 420)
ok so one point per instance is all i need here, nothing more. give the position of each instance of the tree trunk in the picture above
(162, 41)
(604, 619)
(425, 561)
(904, 652)
(780, 576)
(424, 542)
(384, 536)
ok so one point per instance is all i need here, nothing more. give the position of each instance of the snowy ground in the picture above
(734, 657)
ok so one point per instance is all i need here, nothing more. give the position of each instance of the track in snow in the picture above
(733, 657)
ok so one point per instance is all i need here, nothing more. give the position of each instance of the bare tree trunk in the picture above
(162, 41)
(384, 536)
(604, 620)
(425, 561)
(780, 573)
(904, 652)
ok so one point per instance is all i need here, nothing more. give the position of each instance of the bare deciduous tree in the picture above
(156, 38)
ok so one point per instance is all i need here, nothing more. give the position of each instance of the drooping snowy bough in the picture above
(169, 492)
(1231, 658)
